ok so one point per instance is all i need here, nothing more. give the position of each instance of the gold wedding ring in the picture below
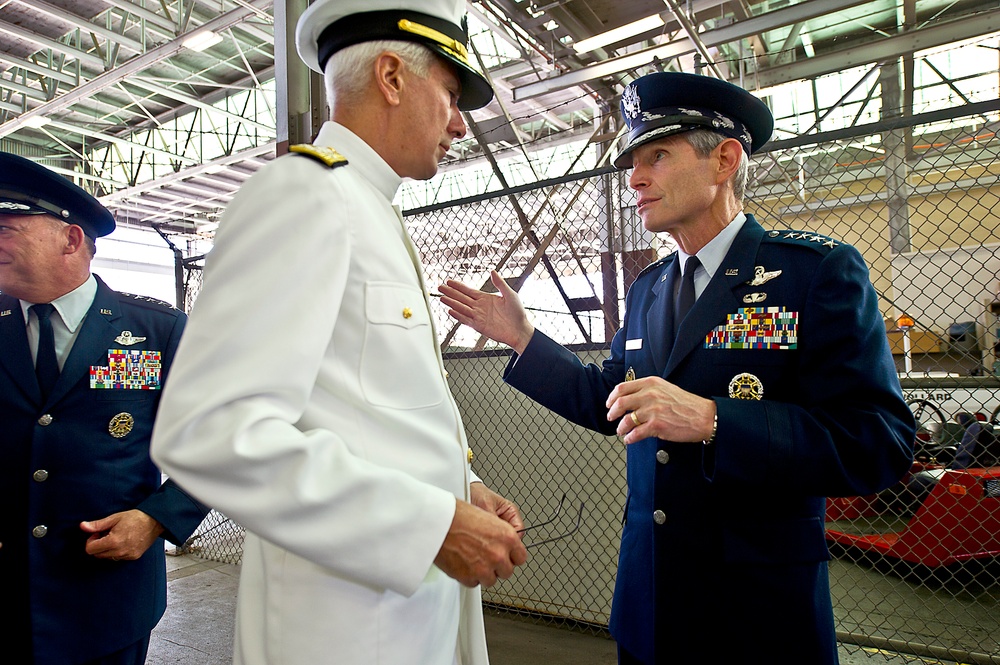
(635, 418)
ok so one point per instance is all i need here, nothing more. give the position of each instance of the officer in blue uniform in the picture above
(751, 379)
(82, 568)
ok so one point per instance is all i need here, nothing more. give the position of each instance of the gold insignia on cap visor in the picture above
(453, 46)
(121, 425)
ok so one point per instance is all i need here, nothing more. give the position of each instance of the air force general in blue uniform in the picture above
(76, 442)
(777, 390)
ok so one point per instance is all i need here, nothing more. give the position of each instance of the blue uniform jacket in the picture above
(740, 558)
(60, 465)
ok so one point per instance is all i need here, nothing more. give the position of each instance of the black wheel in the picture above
(930, 422)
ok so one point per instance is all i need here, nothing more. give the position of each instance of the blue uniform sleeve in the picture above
(554, 377)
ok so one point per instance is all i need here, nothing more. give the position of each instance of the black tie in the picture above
(685, 297)
(46, 365)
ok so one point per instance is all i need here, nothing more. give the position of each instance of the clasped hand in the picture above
(122, 536)
(483, 543)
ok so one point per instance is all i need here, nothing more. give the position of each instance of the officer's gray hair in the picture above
(704, 142)
(349, 71)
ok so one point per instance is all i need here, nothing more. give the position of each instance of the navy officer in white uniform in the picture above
(309, 401)
(752, 378)
(82, 569)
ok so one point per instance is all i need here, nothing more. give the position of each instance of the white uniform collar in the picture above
(361, 156)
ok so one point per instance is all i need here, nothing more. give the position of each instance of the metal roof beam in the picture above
(41, 70)
(21, 89)
(765, 22)
(885, 48)
(74, 129)
(82, 23)
(127, 69)
(199, 169)
(53, 45)
(146, 15)
(198, 104)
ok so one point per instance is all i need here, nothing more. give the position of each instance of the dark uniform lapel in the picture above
(660, 315)
(91, 345)
(718, 298)
(15, 357)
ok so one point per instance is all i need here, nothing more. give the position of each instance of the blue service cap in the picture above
(665, 103)
(27, 188)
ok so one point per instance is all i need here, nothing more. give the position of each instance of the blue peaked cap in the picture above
(27, 188)
(666, 103)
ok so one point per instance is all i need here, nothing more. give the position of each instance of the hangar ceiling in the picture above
(115, 94)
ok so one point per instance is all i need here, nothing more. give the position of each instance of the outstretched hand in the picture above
(501, 317)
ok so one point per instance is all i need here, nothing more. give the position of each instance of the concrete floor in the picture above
(197, 629)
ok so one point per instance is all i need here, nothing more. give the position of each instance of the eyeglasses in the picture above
(555, 515)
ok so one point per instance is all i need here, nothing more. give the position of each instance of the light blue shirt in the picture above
(712, 254)
(72, 309)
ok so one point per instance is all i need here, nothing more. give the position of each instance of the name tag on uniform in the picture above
(633, 344)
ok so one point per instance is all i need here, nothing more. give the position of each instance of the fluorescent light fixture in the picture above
(619, 34)
(201, 40)
(35, 121)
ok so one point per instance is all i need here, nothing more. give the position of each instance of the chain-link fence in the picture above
(914, 568)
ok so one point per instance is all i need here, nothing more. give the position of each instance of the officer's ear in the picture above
(75, 239)
(730, 153)
(389, 76)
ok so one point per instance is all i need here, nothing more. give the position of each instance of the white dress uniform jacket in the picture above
(308, 402)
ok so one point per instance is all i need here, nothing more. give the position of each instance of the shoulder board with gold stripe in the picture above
(328, 156)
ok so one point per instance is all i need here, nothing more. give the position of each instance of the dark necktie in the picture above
(685, 297)
(46, 365)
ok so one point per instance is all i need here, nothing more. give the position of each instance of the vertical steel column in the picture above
(301, 104)
(609, 267)
(897, 190)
